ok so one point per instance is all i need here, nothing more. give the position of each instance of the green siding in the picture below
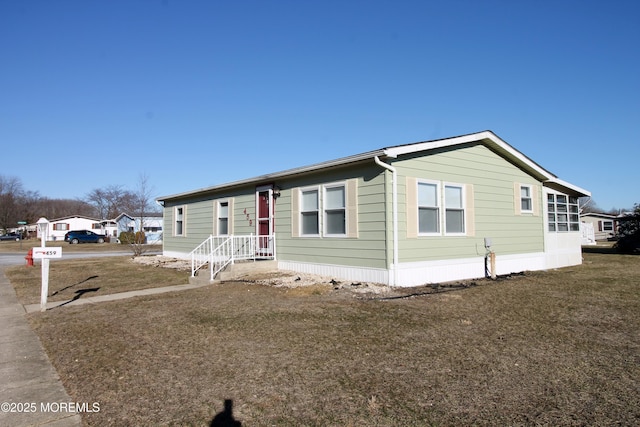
(368, 250)
(491, 176)
(493, 180)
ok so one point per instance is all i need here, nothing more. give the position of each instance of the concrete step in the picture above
(244, 267)
(233, 271)
(202, 277)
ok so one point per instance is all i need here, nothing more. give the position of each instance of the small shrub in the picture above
(127, 237)
(629, 232)
(140, 238)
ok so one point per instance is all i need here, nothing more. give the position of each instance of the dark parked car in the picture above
(83, 236)
(10, 236)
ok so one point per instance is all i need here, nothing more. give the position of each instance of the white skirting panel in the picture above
(338, 272)
(421, 273)
(426, 272)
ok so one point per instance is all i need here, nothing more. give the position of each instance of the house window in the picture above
(428, 209)
(563, 213)
(179, 221)
(223, 218)
(607, 225)
(454, 209)
(61, 226)
(335, 211)
(309, 212)
(526, 202)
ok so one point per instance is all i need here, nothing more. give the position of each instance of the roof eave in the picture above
(278, 175)
(488, 138)
(564, 186)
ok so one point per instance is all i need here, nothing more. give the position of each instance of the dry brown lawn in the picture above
(548, 348)
(75, 278)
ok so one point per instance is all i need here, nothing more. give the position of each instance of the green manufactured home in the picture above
(405, 215)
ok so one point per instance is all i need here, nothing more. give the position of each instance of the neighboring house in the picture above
(152, 226)
(605, 226)
(60, 226)
(404, 215)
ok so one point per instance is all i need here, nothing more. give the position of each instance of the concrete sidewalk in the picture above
(30, 389)
(30, 308)
(28, 381)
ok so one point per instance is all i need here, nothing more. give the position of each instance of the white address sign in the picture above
(47, 252)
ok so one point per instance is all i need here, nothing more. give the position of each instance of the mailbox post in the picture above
(43, 226)
(45, 254)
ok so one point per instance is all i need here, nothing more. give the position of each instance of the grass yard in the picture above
(547, 348)
(75, 278)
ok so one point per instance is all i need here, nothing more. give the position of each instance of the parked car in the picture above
(83, 236)
(10, 236)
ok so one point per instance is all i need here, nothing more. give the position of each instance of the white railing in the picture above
(220, 251)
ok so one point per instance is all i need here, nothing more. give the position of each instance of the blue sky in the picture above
(198, 93)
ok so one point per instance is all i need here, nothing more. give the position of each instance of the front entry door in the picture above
(264, 221)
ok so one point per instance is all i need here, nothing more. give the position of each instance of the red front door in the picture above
(264, 223)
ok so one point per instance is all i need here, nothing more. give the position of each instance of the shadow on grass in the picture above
(75, 284)
(225, 417)
(606, 250)
(79, 294)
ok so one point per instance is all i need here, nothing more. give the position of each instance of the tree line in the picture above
(19, 204)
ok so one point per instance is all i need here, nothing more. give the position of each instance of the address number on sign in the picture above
(49, 252)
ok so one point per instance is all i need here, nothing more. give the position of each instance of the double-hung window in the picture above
(436, 208)
(526, 201)
(179, 220)
(335, 218)
(309, 212)
(454, 209)
(428, 208)
(223, 218)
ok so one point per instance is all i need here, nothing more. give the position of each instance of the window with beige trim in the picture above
(436, 208)
(310, 212)
(179, 220)
(454, 217)
(335, 210)
(526, 201)
(328, 210)
(223, 218)
(428, 208)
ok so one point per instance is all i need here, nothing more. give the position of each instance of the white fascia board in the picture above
(496, 143)
(569, 186)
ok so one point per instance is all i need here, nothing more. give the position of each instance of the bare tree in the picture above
(143, 199)
(10, 193)
(111, 201)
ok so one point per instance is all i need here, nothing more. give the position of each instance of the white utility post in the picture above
(43, 226)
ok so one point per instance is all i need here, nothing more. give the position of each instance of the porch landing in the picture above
(235, 270)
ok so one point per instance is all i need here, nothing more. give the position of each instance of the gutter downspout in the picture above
(394, 183)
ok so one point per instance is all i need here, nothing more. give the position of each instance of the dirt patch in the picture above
(164, 262)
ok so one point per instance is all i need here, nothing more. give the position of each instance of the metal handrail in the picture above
(220, 251)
